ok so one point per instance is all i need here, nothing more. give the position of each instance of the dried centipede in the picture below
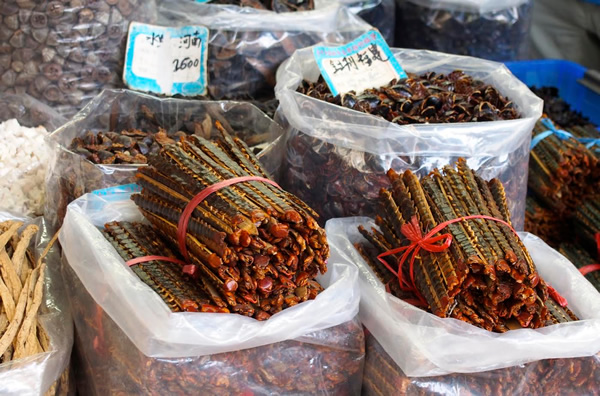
(485, 277)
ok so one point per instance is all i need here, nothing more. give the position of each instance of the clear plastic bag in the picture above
(45, 373)
(489, 29)
(71, 175)
(246, 45)
(335, 158)
(131, 343)
(64, 53)
(424, 345)
(578, 376)
(29, 112)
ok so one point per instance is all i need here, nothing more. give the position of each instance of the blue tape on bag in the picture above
(552, 130)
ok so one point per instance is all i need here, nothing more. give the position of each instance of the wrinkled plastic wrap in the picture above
(423, 344)
(490, 29)
(65, 52)
(335, 158)
(71, 175)
(578, 376)
(45, 372)
(131, 343)
(246, 45)
(378, 13)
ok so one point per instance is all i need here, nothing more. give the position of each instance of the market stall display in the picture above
(486, 29)
(105, 143)
(205, 233)
(65, 53)
(335, 158)
(152, 350)
(35, 328)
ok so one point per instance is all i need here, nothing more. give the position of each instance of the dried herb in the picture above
(21, 293)
(486, 277)
(429, 98)
(257, 248)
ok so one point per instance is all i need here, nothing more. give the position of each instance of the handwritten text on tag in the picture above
(166, 60)
(364, 63)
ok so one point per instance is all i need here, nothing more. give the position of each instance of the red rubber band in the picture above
(184, 220)
(588, 269)
(428, 242)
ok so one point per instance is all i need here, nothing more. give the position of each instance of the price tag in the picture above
(166, 60)
(364, 63)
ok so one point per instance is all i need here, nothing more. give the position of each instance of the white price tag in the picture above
(166, 60)
(364, 63)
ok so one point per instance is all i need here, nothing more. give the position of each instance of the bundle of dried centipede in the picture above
(21, 293)
(485, 277)
(562, 171)
(254, 248)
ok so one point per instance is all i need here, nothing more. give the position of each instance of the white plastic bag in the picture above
(36, 374)
(423, 344)
(149, 322)
(336, 158)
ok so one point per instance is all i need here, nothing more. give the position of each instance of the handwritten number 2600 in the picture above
(185, 63)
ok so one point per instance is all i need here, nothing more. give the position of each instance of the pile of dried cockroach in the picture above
(273, 5)
(486, 277)
(254, 248)
(429, 98)
(126, 147)
(21, 293)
